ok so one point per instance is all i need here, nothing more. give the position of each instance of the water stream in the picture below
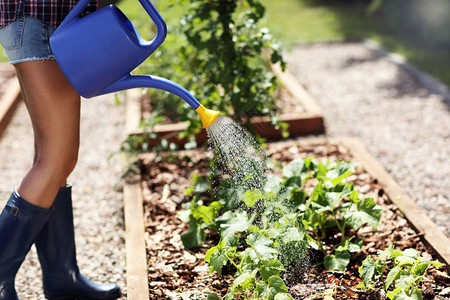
(239, 153)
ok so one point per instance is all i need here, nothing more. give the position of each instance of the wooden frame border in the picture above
(137, 276)
(415, 215)
(9, 101)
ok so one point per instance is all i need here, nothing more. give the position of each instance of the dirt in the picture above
(176, 273)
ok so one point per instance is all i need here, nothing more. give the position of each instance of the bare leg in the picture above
(54, 108)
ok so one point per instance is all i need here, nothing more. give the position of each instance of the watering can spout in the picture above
(208, 116)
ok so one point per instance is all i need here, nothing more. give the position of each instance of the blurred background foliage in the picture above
(416, 29)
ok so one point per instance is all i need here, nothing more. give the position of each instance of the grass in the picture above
(304, 21)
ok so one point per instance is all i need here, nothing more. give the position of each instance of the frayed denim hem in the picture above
(17, 61)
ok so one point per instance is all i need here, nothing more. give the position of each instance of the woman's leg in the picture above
(54, 108)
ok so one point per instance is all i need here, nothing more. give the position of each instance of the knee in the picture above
(58, 165)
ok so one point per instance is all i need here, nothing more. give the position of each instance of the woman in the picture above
(40, 209)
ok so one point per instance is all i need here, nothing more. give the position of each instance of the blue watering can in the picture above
(97, 53)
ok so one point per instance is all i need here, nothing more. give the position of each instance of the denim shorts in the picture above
(27, 39)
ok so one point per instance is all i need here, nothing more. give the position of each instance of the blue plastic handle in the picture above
(149, 8)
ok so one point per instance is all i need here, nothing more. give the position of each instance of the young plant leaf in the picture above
(237, 223)
(367, 271)
(262, 246)
(399, 294)
(393, 275)
(195, 236)
(217, 259)
(213, 296)
(367, 212)
(283, 296)
(251, 197)
(338, 261)
(273, 267)
(278, 284)
(295, 168)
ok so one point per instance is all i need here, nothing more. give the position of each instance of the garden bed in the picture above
(298, 110)
(175, 273)
(9, 94)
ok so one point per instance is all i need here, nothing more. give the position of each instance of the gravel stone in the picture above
(97, 193)
(401, 123)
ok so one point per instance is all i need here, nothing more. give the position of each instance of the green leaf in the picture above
(403, 295)
(283, 296)
(261, 288)
(361, 285)
(383, 254)
(217, 260)
(278, 284)
(297, 199)
(367, 271)
(437, 264)
(206, 213)
(393, 275)
(195, 236)
(367, 212)
(273, 267)
(295, 168)
(262, 246)
(237, 223)
(338, 261)
(354, 196)
(421, 267)
(245, 280)
(340, 171)
(251, 197)
(273, 184)
(404, 281)
(333, 198)
(410, 252)
(213, 296)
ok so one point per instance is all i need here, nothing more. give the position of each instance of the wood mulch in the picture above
(176, 273)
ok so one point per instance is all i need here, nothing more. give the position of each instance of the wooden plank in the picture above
(137, 276)
(415, 215)
(133, 110)
(137, 279)
(297, 90)
(8, 102)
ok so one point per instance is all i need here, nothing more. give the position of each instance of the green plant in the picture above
(223, 56)
(264, 230)
(336, 204)
(403, 279)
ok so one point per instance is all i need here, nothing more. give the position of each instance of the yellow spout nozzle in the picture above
(208, 116)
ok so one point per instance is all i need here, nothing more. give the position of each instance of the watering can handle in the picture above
(149, 8)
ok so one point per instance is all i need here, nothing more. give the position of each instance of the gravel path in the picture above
(404, 126)
(97, 195)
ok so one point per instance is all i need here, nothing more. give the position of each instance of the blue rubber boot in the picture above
(56, 251)
(20, 224)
